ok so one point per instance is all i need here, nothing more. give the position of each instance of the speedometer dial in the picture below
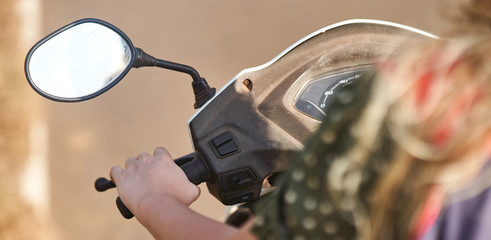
(316, 96)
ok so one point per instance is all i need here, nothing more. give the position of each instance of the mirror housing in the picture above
(79, 61)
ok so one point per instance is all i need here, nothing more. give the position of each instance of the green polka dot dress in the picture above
(324, 193)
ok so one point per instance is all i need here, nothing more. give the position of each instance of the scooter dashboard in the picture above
(257, 123)
(316, 96)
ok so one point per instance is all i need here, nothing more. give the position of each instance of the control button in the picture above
(246, 197)
(220, 140)
(227, 148)
(238, 178)
(224, 145)
(235, 180)
(241, 198)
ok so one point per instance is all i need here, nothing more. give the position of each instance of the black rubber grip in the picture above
(194, 169)
(102, 184)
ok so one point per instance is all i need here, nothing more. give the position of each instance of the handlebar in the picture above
(195, 170)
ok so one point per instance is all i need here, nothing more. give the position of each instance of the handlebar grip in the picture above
(195, 170)
(102, 184)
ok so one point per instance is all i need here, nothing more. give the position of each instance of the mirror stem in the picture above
(202, 92)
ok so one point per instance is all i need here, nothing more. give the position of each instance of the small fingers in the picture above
(115, 173)
(163, 154)
(129, 162)
(160, 151)
(143, 155)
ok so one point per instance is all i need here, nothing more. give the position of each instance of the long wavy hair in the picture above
(434, 99)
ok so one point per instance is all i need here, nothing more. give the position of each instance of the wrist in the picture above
(150, 204)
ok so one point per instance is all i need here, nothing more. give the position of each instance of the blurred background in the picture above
(51, 153)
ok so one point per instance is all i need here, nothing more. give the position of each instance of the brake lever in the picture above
(102, 184)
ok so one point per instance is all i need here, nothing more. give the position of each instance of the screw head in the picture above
(247, 82)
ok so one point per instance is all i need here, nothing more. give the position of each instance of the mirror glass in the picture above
(79, 61)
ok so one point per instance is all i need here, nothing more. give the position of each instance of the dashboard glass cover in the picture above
(317, 94)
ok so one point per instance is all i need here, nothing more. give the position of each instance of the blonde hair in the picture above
(434, 100)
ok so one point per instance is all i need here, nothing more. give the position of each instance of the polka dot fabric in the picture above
(324, 193)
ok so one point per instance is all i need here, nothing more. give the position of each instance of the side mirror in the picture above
(88, 57)
(79, 61)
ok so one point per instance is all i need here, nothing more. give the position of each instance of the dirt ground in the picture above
(18, 219)
(150, 107)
